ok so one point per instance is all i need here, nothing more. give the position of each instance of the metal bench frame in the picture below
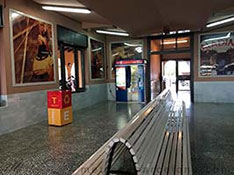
(157, 138)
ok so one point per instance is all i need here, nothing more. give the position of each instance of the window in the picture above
(97, 59)
(71, 68)
(169, 44)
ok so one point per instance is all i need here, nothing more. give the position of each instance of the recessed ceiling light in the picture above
(67, 9)
(227, 20)
(112, 33)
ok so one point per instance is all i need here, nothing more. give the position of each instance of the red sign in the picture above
(124, 62)
(59, 99)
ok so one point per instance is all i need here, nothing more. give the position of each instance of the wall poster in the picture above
(97, 59)
(125, 49)
(32, 49)
(216, 54)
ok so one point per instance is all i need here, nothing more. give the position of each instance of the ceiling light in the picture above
(133, 45)
(112, 33)
(220, 22)
(184, 31)
(173, 42)
(67, 9)
(172, 32)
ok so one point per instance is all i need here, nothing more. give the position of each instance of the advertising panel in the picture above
(216, 54)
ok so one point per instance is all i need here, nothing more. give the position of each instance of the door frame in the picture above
(63, 72)
(189, 50)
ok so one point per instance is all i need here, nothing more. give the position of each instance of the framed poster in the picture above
(32, 50)
(97, 59)
(125, 49)
(216, 54)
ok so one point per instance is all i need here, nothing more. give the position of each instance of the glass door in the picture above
(184, 76)
(71, 68)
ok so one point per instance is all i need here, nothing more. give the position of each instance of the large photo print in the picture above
(32, 49)
(217, 54)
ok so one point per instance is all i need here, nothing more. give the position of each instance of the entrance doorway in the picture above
(176, 75)
(171, 62)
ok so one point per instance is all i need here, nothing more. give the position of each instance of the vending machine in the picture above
(130, 80)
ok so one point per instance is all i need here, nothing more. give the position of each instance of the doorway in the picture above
(71, 68)
(176, 75)
(171, 64)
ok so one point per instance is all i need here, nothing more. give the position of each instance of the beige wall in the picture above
(33, 9)
(196, 50)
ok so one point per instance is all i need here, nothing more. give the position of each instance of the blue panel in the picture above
(121, 95)
(141, 83)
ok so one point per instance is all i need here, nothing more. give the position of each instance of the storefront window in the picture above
(125, 50)
(97, 59)
(216, 54)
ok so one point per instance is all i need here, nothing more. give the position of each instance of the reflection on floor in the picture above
(40, 149)
(211, 136)
(212, 139)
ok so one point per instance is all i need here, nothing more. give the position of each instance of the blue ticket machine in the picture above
(130, 80)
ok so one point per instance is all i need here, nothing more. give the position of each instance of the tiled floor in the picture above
(212, 138)
(40, 149)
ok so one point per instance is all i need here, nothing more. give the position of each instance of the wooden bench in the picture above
(157, 139)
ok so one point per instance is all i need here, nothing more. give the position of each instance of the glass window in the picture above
(169, 44)
(97, 59)
(156, 45)
(183, 42)
(71, 69)
(125, 50)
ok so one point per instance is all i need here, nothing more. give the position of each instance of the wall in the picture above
(27, 105)
(212, 89)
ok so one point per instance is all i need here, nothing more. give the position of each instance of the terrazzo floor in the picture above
(41, 149)
(212, 138)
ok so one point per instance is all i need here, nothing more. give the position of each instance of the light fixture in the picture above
(184, 31)
(112, 33)
(173, 42)
(67, 9)
(133, 45)
(227, 20)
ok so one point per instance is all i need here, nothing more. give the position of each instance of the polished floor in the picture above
(212, 138)
(42, 149)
